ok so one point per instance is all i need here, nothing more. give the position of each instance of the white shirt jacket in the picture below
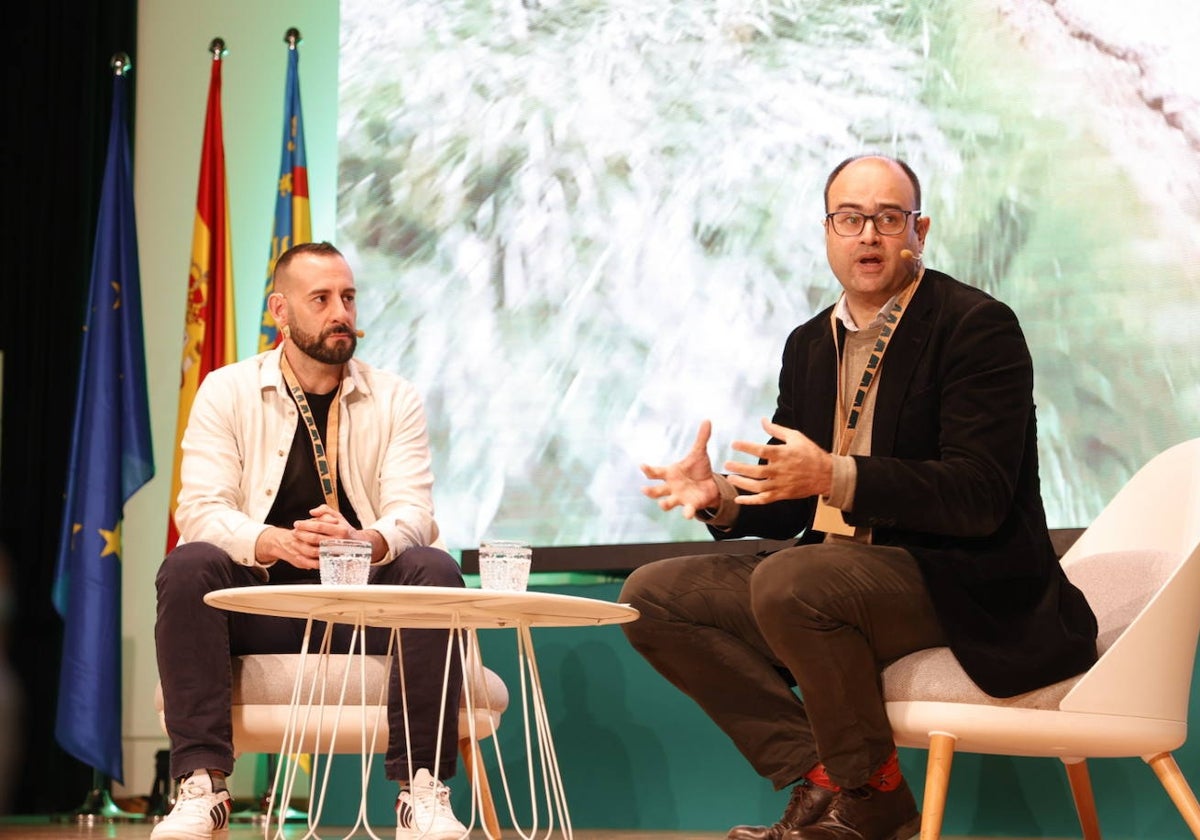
(239, 434)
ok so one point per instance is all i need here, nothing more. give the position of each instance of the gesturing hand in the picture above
(687, 483)
(796, 468)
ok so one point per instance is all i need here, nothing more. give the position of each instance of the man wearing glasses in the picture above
(903, 454)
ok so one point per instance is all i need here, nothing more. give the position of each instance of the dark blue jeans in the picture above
(195, 644)
(737, 632)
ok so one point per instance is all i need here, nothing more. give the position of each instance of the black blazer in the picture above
(952, 477)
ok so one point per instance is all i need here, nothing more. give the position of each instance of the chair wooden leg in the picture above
(469, 750)
(1085, 801)
(1178, 789)
(937, 784)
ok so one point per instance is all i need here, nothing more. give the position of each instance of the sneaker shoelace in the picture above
(195, 799)
(427, 809)
(191, 791)
(438, 796)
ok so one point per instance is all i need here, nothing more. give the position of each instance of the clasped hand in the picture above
(299, 544)
(793, 468)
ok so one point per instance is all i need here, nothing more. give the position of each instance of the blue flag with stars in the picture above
(111, 457)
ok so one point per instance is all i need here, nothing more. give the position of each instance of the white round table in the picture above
(462, 612)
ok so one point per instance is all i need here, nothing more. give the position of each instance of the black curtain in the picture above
(59, 94)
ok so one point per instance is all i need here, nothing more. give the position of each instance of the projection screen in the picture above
(583, 226)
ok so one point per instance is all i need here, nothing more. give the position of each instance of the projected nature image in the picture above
(581, 227)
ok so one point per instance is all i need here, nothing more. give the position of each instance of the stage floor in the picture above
(45, 830)
(127, 831)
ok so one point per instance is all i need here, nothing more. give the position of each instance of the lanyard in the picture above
(870, 374)
(324, 457)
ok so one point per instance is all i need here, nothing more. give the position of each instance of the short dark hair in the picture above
(912, 176)
(320, 249)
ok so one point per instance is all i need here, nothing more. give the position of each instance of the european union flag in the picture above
(111, 457)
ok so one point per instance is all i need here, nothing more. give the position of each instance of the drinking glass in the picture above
(344, 562)
(504, 565)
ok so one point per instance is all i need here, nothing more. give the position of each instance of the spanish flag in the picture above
(293, 222)
(209, 333)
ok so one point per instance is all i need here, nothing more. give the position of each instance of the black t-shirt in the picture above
(300, 489)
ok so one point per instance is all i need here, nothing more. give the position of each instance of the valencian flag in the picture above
(293, 223)
(209, 333)
(111, 457)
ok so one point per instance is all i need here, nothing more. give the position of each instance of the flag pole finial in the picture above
(120, 64)
(292, 38)
(217, 48)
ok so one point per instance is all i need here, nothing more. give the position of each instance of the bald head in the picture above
(904, 167)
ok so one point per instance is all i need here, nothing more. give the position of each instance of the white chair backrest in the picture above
(1139, 566)
(1158, 508)
(1119, 585)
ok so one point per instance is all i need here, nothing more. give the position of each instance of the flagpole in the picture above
(292, 39)
(262, 812)
(98, 805)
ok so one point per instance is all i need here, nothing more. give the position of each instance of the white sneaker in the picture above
(424, 811)
(199, 814)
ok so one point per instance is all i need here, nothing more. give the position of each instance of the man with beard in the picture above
(252, 511)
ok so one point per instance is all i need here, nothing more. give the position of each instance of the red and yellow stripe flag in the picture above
(209, 333)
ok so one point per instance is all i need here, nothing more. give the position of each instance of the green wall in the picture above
(635, 753)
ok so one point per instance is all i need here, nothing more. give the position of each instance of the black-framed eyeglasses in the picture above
(886, 222)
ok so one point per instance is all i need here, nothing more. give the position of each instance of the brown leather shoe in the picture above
(865, 813)
(806, 805)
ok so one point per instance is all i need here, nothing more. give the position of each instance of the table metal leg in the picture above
(297, 737)
(538, 738)
(543, 770)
